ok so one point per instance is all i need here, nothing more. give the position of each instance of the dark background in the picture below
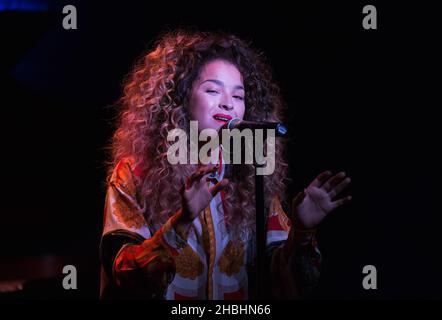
(363, 101)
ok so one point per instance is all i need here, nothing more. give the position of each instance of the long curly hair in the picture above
(156, 100)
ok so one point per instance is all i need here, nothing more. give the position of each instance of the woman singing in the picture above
(187, 231)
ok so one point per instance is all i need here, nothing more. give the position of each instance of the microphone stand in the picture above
(261, 275)
(260, 269)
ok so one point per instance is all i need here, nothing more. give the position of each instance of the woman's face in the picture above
(217, 95)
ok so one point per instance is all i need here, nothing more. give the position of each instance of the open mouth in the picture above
(223, 118)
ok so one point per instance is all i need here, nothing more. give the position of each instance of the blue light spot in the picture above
(24, 5)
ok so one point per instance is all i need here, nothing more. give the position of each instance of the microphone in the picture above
(236, 123)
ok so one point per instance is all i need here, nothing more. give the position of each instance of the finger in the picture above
(195, 177)
(340, 202)
(219, 186)
(334, 181)
(210, 168)
(213, 180)
(208, 172)
(199, 173)
(338, 189)
(320, 179)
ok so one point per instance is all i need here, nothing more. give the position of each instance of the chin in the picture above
(213, 125)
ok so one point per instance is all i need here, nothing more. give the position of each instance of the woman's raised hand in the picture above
(313, 204)
(196, 193)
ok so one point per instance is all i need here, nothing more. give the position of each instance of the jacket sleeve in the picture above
(294, 256)
(135, 262)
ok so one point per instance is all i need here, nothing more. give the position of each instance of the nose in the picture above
(226, 106)
(226, 102)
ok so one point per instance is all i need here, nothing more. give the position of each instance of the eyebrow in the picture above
(220, 83)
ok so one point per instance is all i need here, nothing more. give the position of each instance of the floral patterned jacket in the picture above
(141, 262)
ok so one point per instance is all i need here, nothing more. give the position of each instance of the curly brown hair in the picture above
(155, 101)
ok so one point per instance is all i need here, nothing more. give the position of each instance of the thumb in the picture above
(298, 199)
(218, 187)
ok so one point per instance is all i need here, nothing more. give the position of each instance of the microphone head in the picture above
(231, 124)
(236, 123)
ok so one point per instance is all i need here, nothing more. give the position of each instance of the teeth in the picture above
(221, 118)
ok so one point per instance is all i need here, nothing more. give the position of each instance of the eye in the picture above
(212, 91)
(239, 97)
